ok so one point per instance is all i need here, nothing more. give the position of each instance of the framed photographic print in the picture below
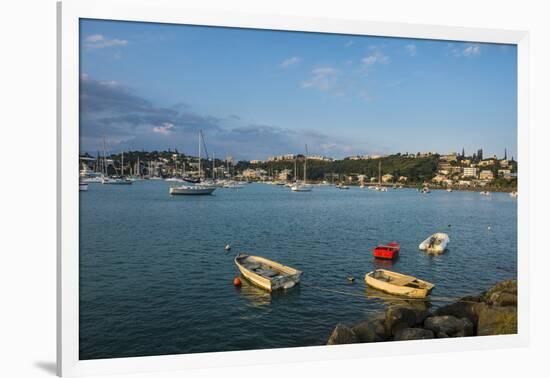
(274, 189)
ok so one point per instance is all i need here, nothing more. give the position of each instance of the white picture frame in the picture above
(165, 11)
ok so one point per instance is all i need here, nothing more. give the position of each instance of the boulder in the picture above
(398, 317)
(450, 325)
(342, 335)
(413, 334)
(421, 315)
(503, 299)
(503, 294)
(467, 307)
(497, 320)
(372, 330)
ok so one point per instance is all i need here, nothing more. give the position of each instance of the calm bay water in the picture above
(155, 279)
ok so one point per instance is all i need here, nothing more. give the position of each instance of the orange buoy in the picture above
(237, 281)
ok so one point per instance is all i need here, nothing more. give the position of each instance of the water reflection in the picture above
(258, 297)
(384, 263)
(390, 300)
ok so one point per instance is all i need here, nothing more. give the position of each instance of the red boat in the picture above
(387, 251)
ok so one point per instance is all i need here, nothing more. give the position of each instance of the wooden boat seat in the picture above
(265, 272)
(402, 281)
(252, 265)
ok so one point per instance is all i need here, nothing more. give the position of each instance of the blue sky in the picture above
(258, 93)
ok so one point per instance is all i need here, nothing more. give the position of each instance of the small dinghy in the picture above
(435, 243)
(267, 274)
(398, 284)
(387, 251)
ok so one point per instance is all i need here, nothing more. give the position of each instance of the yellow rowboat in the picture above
(398, 284)
(267, 274)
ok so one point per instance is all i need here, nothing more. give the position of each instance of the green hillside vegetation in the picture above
(415, 169)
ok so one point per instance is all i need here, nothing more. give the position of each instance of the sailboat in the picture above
(113, 180)
(305, 187)
(379, 187)
(196, 189)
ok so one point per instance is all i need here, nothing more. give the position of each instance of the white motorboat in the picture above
(436, 243)
(90, 180)
(342, 186)
(514, 194)
(485, 193)
(232, 185)
(83, 186)
(301, 187)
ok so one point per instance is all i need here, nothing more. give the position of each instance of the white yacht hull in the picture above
(191, 190)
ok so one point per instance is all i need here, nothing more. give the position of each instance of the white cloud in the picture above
(469, 49)
(323, 78)
(375, 57)
(411, 49)
(290, 62)
(472, 50)
(365, 95)
(98, 41)
(109, 83)
(94, 38)
(165, 129)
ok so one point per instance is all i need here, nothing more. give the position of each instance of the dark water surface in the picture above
(154, 277)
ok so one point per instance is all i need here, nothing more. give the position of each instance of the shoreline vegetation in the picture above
(493, 312)
(433, 170)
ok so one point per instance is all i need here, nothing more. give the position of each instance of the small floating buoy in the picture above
(227, 247)
(488, 227)
(449, 225)
(237, 281)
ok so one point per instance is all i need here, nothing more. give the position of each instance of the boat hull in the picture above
(301, 188)
(287, 276)
(400, 284)
(389, 251)
(116, 182)
(428, 246)
(191, 190)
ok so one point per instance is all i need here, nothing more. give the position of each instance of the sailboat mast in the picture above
(379, 165)
(213, 166)
(104, 159)
(122, 164)
(305, 167)
(199, 155)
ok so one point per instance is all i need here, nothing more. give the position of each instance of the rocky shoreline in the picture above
(493, 312)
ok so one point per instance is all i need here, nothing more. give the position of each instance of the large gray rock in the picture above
(504, 293)
(449, 325)
(413, 334)
(503, 299)
(342, 335)
(421, 315)
(467, 307)
(372, 330)
(497, 320)
(398, 318)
